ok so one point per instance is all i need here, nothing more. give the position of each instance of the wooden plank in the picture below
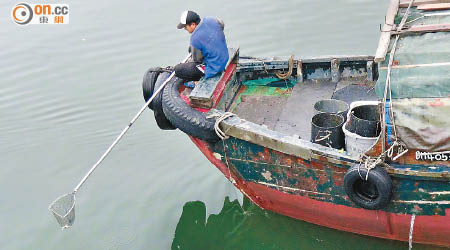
(212, 89)
(436, 6)
(425, 29)
(410, 66)
(207, 91)
(218, 92)
(405, 3)
(385, 36)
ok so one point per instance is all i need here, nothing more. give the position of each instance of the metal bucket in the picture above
(332, 106)
(326, 130)
(364, 121)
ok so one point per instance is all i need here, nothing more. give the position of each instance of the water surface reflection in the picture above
(249, 227)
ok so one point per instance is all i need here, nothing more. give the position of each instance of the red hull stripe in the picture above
(433, 229)
(218, 92)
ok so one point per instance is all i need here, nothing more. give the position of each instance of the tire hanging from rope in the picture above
(371, 187)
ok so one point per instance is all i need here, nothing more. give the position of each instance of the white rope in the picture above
(321, 138)
(386, 87)
(223, 117)
(223, 136)
(401, 150)
(429, 15)
(370, 163)
(399, 28)
(405, 16)
(390, 151)
(411, 21)
(411, 229)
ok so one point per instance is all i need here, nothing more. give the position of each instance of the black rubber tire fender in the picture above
(148, 83)
(184, 117)
(375, 193)
(156, 104)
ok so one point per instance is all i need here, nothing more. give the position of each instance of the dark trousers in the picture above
(188, 71)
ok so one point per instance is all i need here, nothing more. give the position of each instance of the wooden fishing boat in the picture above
(254, 123)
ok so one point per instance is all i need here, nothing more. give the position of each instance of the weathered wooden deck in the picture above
(292, 114)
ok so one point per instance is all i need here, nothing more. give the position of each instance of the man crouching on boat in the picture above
(207, 46)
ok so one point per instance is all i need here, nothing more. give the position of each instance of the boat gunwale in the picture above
(291, 145)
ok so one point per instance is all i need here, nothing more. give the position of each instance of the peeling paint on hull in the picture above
(296, 203)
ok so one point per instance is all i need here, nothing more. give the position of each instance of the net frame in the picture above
(63, 208)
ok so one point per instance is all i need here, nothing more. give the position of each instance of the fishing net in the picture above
(423, 123)
(426, 67)
(63, 209)
(419, 90)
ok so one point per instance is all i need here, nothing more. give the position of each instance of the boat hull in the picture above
(428, 229)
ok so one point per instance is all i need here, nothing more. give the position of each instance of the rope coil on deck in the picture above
(285, 76)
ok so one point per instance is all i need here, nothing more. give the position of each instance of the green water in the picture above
(66, 91)
(249, 227)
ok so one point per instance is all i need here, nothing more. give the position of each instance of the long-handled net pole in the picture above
(63, 207)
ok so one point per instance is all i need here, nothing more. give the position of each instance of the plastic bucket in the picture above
(356, 145)
(331, 106)
(326, 130)
(364, 120)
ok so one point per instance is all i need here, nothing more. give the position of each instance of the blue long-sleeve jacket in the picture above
(209, 38)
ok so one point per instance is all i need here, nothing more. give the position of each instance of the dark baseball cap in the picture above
(187, 17)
